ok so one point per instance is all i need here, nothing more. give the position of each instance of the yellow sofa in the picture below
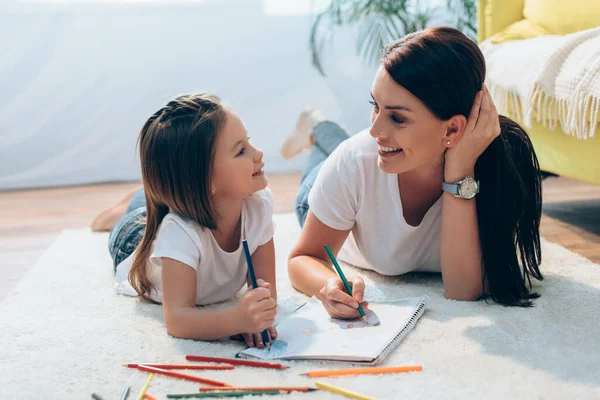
(503, 20)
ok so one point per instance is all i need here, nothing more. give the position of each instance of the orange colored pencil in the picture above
(183, 366)
(362, 371)
(237, 361)
(258, 389)
(179, 375)
(149, 396)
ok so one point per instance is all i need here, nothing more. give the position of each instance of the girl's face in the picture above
(409, 135)
(237, 166)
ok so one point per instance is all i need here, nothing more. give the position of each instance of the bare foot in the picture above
(300, 139)
(108, 217)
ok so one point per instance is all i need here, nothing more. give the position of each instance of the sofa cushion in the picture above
(562, 17)
(524, 29)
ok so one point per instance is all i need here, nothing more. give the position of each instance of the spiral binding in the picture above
(411, 323)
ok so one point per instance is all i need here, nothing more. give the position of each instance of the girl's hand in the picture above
(338, 303)
(255, 339)
(256, 309)
(483, 126)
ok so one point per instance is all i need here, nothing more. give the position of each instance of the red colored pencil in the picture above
(184, 366)
(286, 389)
(149, 396)
(179, 375)
(236, 361)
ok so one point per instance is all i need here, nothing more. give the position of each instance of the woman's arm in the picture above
(309, 265)
(460, 252)
(311, 271)
(253, 313)
(263, 261)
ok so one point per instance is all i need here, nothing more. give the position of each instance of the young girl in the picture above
(204, 191)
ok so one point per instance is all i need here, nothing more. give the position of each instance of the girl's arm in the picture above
(253, 313)
(263, 261)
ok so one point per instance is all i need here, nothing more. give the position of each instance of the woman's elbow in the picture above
(463, 295)
(293, 266)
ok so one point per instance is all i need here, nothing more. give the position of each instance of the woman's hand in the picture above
(338, 303)
(483, 126)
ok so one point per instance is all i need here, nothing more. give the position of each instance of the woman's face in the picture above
(409, 135)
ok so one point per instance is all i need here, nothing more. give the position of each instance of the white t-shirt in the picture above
(351, 192)
(219, 274)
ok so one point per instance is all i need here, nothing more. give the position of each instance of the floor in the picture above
(30, 220)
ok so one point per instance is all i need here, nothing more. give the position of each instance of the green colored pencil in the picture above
(224, 394)
(346, 284)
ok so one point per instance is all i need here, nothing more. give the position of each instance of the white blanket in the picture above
(555, 79)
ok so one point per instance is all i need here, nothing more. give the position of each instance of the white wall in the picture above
(78, 80)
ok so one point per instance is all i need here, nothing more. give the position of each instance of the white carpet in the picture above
(64, 334)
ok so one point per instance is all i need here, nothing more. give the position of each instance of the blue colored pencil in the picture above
(125, 393)
(265, 333)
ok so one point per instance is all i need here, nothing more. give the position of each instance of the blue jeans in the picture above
(129, 230)
(328, 135)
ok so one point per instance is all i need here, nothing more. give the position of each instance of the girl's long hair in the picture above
(176, 147)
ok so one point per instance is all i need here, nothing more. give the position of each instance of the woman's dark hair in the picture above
(177, 146)
(445, 70)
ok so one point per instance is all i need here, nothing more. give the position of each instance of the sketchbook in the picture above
(311, 334)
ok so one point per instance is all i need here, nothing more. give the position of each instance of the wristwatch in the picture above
(465, 189)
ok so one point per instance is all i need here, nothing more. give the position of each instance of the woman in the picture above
(439, 182)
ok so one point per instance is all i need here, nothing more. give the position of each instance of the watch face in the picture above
(468, 188)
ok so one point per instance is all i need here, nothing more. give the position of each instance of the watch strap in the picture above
(451, 188)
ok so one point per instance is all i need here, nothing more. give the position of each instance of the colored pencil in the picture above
(223, 394)
(125, 393)
(362, 371)
(146, 385)
(265, 333)
(341, 391)
(179, 375)
(258, 389)
(149, 396)
(184, 366)
(96, 397)
(236, 361)
(346, 284)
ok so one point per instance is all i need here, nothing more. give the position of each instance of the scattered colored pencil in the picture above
(223, 394)
(344, 392)
(125, 393)
(236, 361)
(96, 397)
(362, 371)
(146, 385)
(184, 366)
(149, 396)
(179, 375)
(265, 333)
(346, 284)
(258, 389)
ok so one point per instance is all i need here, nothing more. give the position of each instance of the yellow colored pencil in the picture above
(341, 391)
(143, 392)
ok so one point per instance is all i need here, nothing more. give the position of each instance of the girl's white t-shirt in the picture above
(352, 192)
(219, 274)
